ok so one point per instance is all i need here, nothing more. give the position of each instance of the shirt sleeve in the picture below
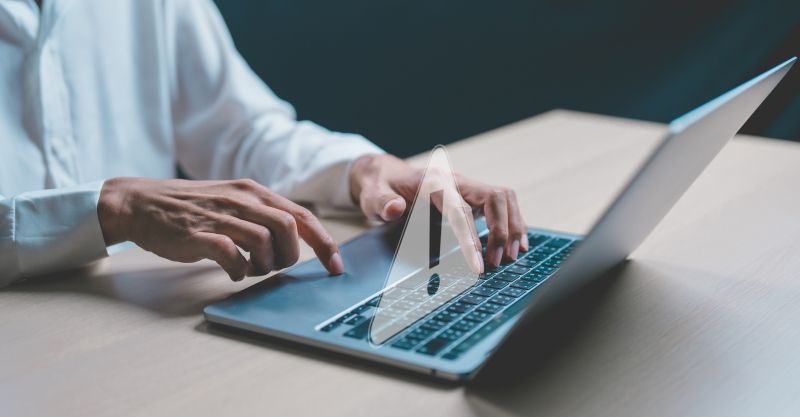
(229, 124)
(49, 230)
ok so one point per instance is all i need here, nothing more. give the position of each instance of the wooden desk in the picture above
(705, 320)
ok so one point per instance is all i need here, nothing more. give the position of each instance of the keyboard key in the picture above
(502, 299)
(417, 296)
(347, 317)
(545, 250)
(505, 276)
(460, 307)
(434, 346)
(558, 242)
(483, 291)
(546, 270)
(433, 325)
(495, 283)
(354, 319)
(405, 344)
(513, 292)
(419, 334)
(516, 270)
(477, 316)
(360, 331)
(447, 316)
(362, 308)
(528, 262)
(464, 325)
(536, 239)
(452, 334)
(472, 298)
(534, 276)
(396, 293)
(389, 313)
(525, 284)
(476, 337)
(330, 326)
(552, 263)
(490, 308)
(451, 355)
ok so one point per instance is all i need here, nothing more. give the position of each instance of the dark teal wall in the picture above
(410, 74)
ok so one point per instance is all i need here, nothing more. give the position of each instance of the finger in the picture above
(380, 202)
(283, 228)
(324, 246)
(313, 233)
(517, 228)
(222, 250)
(253, 238)
(463, 224)
(447, 199)
(496, 210)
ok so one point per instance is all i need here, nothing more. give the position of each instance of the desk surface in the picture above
(703, 320)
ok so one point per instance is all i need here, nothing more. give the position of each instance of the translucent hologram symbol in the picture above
(433, 284)
(436, 258)
(435, 234)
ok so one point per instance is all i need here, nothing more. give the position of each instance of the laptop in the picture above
(448, 325)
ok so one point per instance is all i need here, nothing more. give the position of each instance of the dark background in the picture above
(410, 74)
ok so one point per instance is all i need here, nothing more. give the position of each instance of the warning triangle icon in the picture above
(438, 255)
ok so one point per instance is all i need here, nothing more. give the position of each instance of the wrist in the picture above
(110, 211)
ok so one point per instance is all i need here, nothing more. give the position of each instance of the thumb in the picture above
(382, 203)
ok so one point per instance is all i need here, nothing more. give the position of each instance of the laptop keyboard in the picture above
(473, 310)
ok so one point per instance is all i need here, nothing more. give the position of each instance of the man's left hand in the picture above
(384, 186)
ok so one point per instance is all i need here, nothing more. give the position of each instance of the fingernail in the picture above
(497, 256)
(385, 209)
(513, 249)
(524, 245)
(337, 265)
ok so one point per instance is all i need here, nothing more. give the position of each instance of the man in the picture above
(101, 100)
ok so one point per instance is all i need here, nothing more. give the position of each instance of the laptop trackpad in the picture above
(306, 294)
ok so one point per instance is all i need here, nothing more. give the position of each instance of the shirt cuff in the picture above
(58, 229)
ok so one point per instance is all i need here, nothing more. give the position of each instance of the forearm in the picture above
(312, 165)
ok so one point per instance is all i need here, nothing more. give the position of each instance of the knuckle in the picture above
(263, 236)
(499, 232)
(304, 215)
(247, 184)
(497, 195)
(286, 221)
(222, 246)
(510, 193)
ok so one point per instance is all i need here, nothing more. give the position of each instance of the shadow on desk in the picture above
(176, 290)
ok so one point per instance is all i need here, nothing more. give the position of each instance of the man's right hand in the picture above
(187, 221)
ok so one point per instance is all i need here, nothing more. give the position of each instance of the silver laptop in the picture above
(449, 325)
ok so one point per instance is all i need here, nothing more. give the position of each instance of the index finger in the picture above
(312, 232)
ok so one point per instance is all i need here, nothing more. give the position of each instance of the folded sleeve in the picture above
(49, 230)
(229, 124)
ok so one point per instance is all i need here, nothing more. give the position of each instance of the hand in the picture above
(384, 186)
(187, 221)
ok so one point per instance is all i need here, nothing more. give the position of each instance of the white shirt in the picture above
(91, 90)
